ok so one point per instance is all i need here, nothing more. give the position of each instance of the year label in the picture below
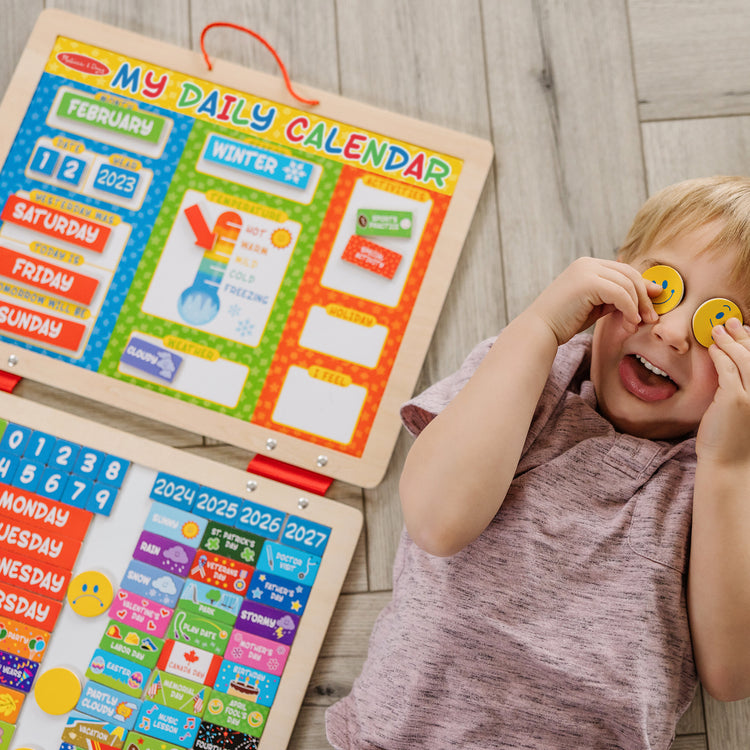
(217, 506)
(304, 534)
(174, 491)
(261, 520)
(116, 181)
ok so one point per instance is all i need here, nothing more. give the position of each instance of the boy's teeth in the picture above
(651, 367)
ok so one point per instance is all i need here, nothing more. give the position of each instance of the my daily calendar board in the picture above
(196, 246)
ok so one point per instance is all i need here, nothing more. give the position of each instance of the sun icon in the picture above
(281, 238)
(190, 530)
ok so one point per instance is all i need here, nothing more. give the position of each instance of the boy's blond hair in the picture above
(685, 206)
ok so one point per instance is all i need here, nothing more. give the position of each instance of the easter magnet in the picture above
(673, 287)
(90, 593)
(713, 312)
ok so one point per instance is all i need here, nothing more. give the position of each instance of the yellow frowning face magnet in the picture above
(713, 312)
(673, 288)
(90, 593)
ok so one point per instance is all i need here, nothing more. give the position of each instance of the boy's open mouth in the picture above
(644, 380)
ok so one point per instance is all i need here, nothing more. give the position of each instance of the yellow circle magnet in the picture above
(90, 593)
(673, 287)
(57, 691)
(713, 312)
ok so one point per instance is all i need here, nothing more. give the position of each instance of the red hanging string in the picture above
(237, 27)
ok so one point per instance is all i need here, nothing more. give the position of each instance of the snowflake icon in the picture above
(294, 172)
(235, 310)
(245, 327)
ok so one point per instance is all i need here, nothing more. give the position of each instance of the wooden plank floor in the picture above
(591, 105)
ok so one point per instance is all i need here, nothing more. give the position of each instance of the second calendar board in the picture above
(192, 248)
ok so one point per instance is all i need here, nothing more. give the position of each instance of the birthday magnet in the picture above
(713, 312)
(673, 287)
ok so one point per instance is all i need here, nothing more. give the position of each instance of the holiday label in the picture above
(116, 672)
(232, 543)
(215, 737)
(236, 713)
(177, 692)
(187, 661)
(132, 644)
(222, 572)
(254, 651)
(10, 704)
(16, 672)
(278, 592)
(131, 609)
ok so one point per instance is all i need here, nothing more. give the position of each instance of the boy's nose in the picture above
(674, 329)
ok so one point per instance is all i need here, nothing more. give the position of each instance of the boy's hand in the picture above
(589, 289)
(724, 432)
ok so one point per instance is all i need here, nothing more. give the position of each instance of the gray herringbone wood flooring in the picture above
(591, 105)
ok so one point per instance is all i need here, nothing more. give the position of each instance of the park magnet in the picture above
(673, 287)
(713, 312)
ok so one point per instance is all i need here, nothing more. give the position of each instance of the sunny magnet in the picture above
(90, 593)
(673, 287)
(713, 312)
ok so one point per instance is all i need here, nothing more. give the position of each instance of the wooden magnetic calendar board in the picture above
(198, 247)
(221, 596)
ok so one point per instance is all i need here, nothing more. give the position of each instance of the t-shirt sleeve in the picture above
(419, 411)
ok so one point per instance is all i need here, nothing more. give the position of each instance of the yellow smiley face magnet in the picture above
(713, 312)
(673, 287)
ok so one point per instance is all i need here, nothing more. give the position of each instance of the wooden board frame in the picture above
(345, 523)
(475, 155)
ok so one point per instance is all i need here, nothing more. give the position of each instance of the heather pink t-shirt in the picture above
(564, 624)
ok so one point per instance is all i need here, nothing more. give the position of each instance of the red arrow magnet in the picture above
(204, 237)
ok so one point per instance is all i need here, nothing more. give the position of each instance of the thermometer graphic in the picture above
(199, 303)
